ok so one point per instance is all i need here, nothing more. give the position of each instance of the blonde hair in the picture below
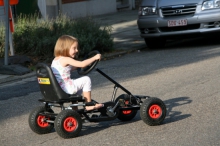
(63, 45)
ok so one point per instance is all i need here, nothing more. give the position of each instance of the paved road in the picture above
(185, 75)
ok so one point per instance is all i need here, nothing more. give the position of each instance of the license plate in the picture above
(173, 23)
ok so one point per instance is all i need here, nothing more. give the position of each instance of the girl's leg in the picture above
(87, 96)
(84, 84)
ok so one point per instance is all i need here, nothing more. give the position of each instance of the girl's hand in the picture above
(97, 57)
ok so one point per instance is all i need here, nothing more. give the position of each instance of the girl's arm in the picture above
(70, 61)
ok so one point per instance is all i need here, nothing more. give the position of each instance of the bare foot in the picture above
(89, 108)
(98, 105)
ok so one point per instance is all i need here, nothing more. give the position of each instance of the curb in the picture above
(120, 53)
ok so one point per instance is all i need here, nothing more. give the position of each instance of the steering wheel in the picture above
(89, 68)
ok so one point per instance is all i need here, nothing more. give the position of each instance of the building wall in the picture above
(89, 8)
(2, 13)
(48, 8)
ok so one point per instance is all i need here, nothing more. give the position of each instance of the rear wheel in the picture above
(153, 111)
(68, 124)
(155, 43)
(125, 115)
(37, 122)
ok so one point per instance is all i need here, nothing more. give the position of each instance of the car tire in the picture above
(155, 43)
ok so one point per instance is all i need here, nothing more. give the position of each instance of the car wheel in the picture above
(155, 43)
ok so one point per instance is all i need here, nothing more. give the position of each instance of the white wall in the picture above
(42, 7)
(52, 8)
(89, 8)
(48, 8)
(2, 13)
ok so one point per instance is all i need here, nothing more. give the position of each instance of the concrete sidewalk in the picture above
(124, 31)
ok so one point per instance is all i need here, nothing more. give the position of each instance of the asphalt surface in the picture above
(185, 76)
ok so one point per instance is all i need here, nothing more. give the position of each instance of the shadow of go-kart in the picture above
(68, 123)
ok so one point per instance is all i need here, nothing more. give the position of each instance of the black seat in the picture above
(50, 88)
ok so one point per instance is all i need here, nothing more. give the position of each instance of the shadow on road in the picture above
(14, 91)
(173, 116)
(192, 42)
(89, 129)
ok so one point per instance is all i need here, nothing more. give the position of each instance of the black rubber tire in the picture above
(121, 115)
(33, 123)
(60, 124)
(145, 111)
(155, 43)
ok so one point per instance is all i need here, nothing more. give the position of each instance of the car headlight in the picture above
(211, 4)
(147, 11)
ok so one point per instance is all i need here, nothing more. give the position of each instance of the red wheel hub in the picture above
(70, 124)
(155, 111)
(126, 112)
(41, 121)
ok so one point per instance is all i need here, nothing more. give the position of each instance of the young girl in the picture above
(65, 51)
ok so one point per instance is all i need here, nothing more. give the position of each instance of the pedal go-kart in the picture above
(68, 123)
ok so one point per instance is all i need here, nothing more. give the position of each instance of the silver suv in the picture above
(162, 19)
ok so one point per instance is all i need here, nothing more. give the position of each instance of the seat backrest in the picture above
(49, 86)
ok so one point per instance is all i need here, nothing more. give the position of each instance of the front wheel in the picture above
(68, 124)
(125, 115)
(38, 123)
(153, 111)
